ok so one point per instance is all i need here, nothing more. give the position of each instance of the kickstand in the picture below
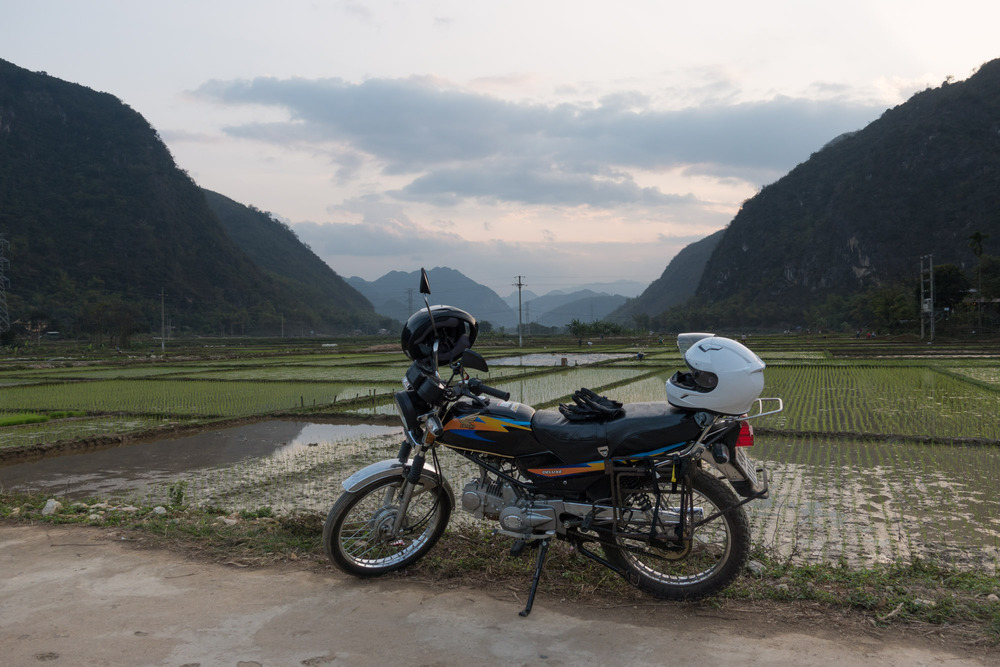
(544, 547)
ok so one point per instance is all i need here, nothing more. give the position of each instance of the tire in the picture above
(718, 550)
(355, 533)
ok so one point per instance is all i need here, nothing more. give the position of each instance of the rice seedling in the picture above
(185, 398)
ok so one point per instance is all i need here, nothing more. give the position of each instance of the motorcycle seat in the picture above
(642, 427)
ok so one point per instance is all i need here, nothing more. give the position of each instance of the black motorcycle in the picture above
(654, 491)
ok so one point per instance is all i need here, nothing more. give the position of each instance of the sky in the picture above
(565, 142)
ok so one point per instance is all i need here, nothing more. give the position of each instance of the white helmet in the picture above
(724, 376)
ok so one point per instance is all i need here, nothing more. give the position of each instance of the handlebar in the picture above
(477, 387)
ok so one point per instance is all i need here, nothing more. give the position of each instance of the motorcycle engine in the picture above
(498, 501)
(485, 500)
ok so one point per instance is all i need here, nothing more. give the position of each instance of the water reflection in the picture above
(557, 359)
(109, 471)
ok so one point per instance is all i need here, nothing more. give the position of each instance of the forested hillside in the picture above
(293, 267)
(856, 218)
(101, 222)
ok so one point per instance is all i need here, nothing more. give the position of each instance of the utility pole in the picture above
(409, 301)
(927, 294)
(519, 284)
(4, 265)
(163, 325)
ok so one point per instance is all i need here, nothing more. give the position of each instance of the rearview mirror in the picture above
(475, 361)
(425, 286)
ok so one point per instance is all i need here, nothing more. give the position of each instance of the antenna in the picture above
(425, 289)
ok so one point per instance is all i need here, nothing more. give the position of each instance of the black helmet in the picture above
(456, 331)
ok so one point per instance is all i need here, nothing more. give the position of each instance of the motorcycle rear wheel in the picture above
(702, 567)
(357, 533)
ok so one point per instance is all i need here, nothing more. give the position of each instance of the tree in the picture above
(950, 286)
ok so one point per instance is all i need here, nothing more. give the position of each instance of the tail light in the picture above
(745, 438)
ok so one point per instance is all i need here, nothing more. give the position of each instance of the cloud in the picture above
(453, 144)
(530, 182)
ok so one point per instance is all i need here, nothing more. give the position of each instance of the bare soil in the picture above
(96, 596)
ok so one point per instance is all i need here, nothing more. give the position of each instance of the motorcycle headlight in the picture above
(407, 409)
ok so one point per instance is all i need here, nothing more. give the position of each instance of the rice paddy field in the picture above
(887, 450)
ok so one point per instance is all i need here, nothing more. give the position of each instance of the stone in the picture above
(51, 507)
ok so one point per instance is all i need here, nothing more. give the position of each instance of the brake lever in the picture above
(468, 393)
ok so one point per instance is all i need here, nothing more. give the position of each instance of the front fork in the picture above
(432, 429)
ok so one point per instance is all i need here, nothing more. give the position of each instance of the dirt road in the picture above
(81, 596)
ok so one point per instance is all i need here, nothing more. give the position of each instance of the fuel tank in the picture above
(502, 428)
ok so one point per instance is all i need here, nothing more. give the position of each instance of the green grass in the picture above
(22, 418)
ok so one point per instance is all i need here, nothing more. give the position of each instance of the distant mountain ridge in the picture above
(394, 295)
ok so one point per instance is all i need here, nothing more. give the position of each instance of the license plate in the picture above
(746, 466)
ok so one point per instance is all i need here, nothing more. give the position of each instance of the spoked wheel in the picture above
(358, 534)
(704, 563)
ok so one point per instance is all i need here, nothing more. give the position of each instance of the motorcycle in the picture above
(653, 491)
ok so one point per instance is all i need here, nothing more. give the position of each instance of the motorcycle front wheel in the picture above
(702, 565)
(358, 535)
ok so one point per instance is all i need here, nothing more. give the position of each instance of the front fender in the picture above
(393, 468)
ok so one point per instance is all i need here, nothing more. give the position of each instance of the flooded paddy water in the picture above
(831, 500)
(144, 471)
(874, 501)
(558, 359)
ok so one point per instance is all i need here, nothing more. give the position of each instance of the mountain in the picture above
(675, 285)
(586, 309)
(863, 210)
(294, 268)
(101, 223)
(512, 299)
(626, 288)
(396, 295)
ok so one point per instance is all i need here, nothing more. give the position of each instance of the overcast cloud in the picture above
(458, 145)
